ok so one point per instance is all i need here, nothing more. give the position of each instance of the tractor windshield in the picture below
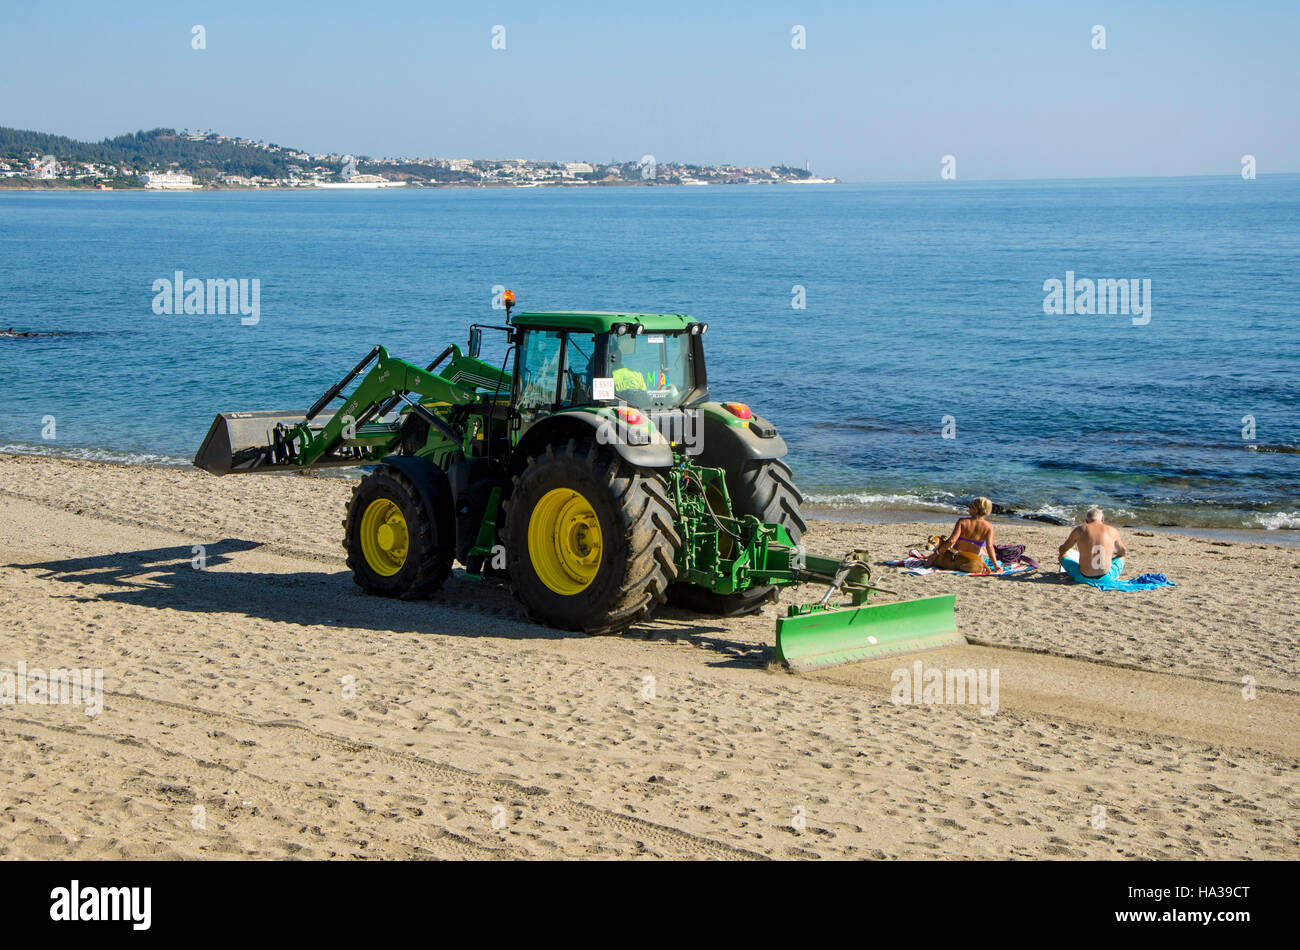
(653, 370)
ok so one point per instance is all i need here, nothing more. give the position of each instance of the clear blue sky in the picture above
(883, 90)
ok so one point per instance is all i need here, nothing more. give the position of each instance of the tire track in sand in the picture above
(1122, 699)
(448, 844)
(684, 843)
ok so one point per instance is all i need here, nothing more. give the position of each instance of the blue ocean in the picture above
(897, 334)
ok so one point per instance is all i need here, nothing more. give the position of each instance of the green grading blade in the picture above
(813, 638)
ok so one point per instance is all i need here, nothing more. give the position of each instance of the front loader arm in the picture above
(355, 434)
(386, 383)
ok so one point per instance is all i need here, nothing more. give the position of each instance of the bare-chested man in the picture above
(1101, 552)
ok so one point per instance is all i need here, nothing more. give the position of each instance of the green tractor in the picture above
(591, 470)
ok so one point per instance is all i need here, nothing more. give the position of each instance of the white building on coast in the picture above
(172, 181)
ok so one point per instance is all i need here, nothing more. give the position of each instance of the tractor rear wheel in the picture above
(765, 489)
(591, 540)
(392, 539)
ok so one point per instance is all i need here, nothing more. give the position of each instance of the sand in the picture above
(263, 707)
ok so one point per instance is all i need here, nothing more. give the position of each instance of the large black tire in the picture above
(765, 489)
(638, 540)
(427, 562)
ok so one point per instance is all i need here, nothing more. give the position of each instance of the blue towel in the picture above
(1159, 579)
(1110, 580)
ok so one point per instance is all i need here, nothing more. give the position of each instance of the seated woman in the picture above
(970, 542)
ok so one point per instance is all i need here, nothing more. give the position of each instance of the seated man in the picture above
(626, 379)
(1101, 552)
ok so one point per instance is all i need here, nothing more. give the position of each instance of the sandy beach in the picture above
(264, 707)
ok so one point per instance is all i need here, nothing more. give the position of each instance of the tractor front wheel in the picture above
(392, 539)
(591, 540)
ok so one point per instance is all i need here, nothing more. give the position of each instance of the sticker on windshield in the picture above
(655, 339)
(602, 387)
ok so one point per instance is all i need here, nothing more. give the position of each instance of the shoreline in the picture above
(1281, 537)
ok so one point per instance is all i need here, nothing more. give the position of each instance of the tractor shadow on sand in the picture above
(174, 578)
(672, 625)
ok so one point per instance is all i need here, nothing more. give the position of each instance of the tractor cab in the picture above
(650, 361)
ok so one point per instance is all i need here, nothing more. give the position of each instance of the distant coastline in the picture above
(20, 185)
(165, 160)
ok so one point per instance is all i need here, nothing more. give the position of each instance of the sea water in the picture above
(908, 340)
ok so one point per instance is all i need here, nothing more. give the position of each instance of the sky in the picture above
(881, 91)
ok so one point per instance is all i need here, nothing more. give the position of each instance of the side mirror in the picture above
(475, 341)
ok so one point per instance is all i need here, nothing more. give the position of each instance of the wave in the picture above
(1278, 520)
(893, 501)
(82, 454)
(1052, 514)
(152, 460)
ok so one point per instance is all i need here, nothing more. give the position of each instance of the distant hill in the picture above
(205, 157)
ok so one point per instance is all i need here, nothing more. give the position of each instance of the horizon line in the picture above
(929, 181)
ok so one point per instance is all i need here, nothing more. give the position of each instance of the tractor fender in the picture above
(582, 426)
(727, 440)
(435, 491)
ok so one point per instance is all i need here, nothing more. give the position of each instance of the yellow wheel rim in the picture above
(384, 539)
(564, 541)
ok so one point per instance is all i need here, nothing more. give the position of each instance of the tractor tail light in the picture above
(739, 410)
(630, 416)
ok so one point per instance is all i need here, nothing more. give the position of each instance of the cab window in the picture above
(579, 363)
(541, 384)
(653, 370)
(540, 375)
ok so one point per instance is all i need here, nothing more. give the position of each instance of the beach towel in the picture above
(1110, 580)
(916, 567)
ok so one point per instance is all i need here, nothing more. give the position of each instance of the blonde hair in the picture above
(980, 507)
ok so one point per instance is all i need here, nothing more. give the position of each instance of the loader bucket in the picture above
(813, 637)
(242, 442)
